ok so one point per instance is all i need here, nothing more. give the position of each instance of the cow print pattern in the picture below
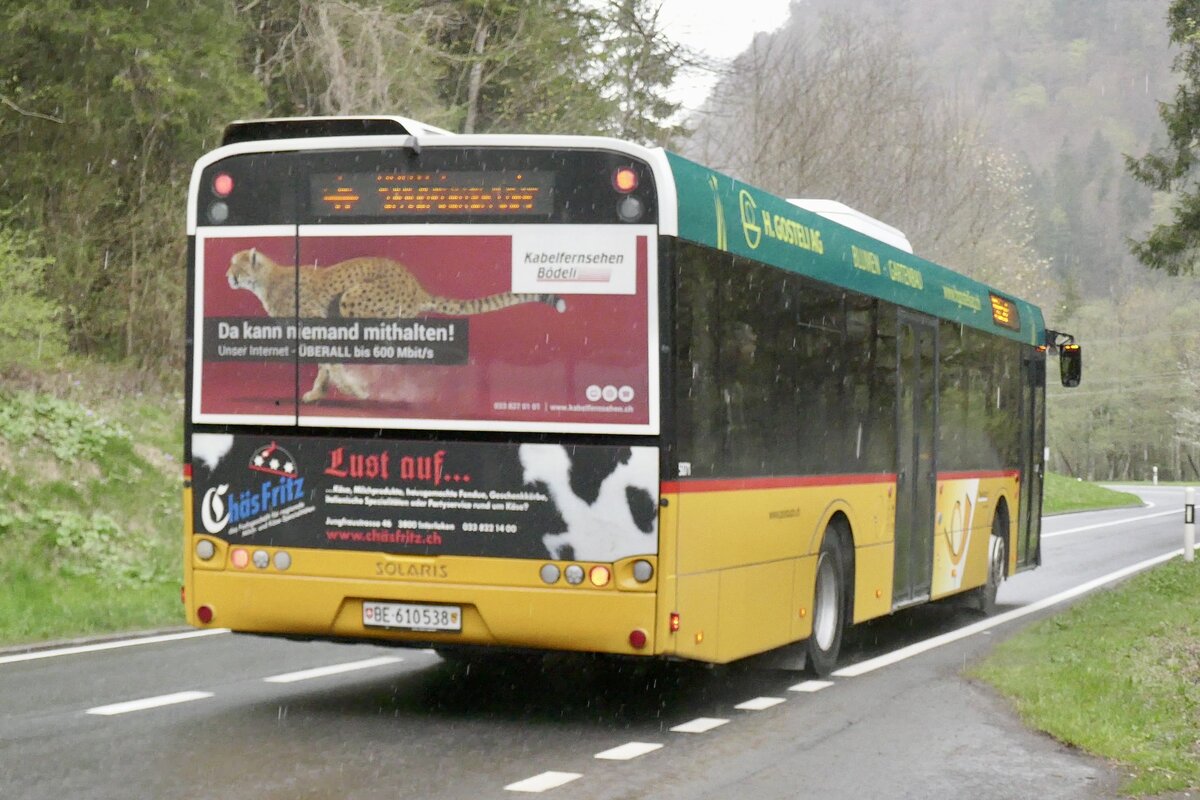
(606, 498)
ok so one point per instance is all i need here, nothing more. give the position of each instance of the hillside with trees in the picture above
(996, 136)
(105, 107)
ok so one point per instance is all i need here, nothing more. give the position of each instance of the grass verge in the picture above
(1118, 675)
(89, 506)
(1061, 494)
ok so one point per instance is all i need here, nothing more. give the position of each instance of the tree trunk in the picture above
(475, 82)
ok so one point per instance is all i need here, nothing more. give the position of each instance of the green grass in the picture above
(1117, 675)
(1061, 494)
(89, 505)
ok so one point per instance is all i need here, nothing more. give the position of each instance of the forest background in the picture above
(994, 135)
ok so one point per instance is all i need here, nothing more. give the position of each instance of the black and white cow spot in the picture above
(607, 499)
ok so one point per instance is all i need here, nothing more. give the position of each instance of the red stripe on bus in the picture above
(790, 482)
(995, 473)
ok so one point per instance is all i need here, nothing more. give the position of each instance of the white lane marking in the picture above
(1178, 511)
(760, 703)
(148, 703)
(335, 669)
(94, 648)
(543, 782)
(810, 686)
(628, 751)
(699, 725)
(870, 665)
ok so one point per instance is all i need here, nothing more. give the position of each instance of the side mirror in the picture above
(1070, 364)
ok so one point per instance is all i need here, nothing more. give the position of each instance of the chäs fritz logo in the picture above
(214, 513)
(246, 509)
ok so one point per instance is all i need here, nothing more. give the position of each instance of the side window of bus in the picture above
(778, 374)
(699, 411)
(871, 378)
(955, 442)
(978, 400)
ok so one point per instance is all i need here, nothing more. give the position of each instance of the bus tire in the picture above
(829, 607)
(983, 598)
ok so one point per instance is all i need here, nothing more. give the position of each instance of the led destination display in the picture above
(403, 194)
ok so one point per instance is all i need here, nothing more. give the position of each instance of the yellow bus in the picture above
(572, 393)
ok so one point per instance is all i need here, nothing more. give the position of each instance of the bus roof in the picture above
(706, 207)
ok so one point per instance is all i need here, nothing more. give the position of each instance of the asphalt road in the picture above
(223, 716)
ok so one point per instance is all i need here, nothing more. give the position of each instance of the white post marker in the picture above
(1189, 523)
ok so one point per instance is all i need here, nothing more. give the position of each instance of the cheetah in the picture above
(367, 286)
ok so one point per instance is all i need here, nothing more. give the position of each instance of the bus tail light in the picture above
(643, 571)
(204, 614)
(222, 184)
(600, 576)
(630, 209)
(637, 638)
(625, 180)
(674, 621)
(240, 557)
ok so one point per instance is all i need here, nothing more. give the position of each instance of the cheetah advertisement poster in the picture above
(532, 327)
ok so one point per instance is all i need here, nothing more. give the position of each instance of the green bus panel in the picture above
(724, 213)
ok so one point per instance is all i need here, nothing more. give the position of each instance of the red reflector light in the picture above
(674, 621)
(625, 180)
(204, 614)
(637, 638)
(223, 185)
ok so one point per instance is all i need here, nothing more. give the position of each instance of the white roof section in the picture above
(414, 126)
(856, 220)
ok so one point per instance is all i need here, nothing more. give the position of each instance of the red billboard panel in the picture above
(532, 327)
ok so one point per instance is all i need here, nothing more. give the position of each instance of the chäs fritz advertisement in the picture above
(537, 327)
(592, 503)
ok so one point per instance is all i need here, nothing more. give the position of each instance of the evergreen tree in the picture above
(1174, 246)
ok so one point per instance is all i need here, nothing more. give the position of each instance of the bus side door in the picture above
(1033, 442)
(916, 468)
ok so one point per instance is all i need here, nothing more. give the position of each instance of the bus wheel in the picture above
(829, 605)
(984, 597)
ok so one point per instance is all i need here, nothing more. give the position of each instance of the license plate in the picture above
(412, 616)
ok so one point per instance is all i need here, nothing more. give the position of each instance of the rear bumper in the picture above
(556, 618)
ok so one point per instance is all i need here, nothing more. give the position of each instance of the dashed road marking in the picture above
(543, 782)
(628, 751)
(699, 725)
(148, 703)
(810, 686)
(760, 703)
(335, 669)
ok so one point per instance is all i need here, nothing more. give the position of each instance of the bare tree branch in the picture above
(25, 113)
